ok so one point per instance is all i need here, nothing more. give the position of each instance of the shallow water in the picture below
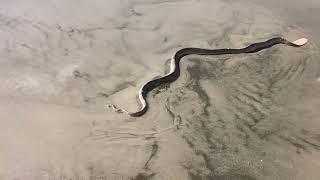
(227, 117)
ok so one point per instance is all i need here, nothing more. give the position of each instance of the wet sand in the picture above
(227, 117)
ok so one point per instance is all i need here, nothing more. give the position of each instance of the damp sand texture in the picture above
(229, 117)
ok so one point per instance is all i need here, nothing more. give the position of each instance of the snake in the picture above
(174, 72)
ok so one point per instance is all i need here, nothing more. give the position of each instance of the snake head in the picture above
(300, 42)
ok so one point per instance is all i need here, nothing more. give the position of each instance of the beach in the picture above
(227, 117)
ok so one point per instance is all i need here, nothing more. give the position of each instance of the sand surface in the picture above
(230, 117)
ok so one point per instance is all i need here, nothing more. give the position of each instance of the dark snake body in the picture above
(175, 73)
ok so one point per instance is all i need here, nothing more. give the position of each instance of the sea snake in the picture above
(175, 67)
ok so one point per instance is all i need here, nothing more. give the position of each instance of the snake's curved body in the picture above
(175, 67)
